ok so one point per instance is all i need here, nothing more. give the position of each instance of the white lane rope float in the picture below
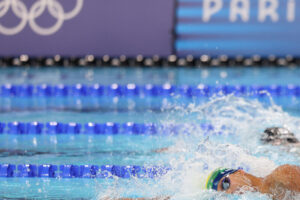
(29, 16)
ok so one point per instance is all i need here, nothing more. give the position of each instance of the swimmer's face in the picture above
(237, 182)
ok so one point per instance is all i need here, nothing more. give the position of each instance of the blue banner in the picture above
(238, 27)
(81, 27)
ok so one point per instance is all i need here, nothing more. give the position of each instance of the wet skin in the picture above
(283, 181)
(241, 181)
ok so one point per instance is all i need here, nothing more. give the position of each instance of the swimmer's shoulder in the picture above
(288, 170)
(288, 175)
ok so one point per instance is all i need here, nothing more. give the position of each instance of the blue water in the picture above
(190, 156)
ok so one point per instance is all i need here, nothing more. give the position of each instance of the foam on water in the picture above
(197, 155)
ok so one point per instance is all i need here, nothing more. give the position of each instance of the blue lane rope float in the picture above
(132, 90)
(81, 171)
(108, 128)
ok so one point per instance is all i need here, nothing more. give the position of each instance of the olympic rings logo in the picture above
(20, 10)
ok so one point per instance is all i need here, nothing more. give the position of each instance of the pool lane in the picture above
(83, 149)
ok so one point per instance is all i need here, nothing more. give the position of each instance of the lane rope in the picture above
(81, 171)
(148, 90)
(108, 128)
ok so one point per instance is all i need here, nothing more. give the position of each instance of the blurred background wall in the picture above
(97, 27)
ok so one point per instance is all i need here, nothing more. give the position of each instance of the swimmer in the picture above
(282, 183)
(275, 135)
(279, 136)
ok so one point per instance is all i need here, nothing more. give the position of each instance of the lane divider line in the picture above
(81, 171)
(108, 128)
(149, 90)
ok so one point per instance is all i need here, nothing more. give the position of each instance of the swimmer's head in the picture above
(278, 136)
(233, 181)
(216, 176)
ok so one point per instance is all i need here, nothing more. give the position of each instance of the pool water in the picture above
(238, 121)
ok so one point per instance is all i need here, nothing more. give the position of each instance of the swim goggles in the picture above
(215, 177)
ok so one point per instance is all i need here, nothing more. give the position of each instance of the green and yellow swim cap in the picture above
(215, 177)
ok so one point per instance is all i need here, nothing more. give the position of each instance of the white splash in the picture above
(197, 156)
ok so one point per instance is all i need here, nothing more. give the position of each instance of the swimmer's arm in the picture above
(284, 178)
(168, 150)
(161, 150)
